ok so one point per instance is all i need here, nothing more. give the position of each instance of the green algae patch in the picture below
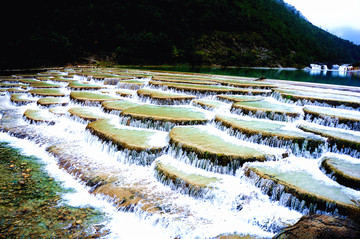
(245, 83)
(175, 114)
(47, 92)
(345, 172)
(58, 110)
(182, 176)
(39, 116)
(44, 85)
(128, 137)
(84, 86)
(317, 194)
(125, 92)
(240, 98)
(267, 128)
(321, 97)
(85, 96)
(267, 107)
(20, 99)
(85, 113)
(209, 88)
(50, 101)
(30, 202)
(343, 115)
(213, 146)
(118, 105)
(184, 80)
(210, 104)
(162, 95)
(342, 138)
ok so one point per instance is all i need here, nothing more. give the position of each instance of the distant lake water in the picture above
(316, 76)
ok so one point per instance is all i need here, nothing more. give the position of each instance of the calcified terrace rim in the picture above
(189, 162)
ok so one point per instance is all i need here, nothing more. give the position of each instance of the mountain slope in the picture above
(225, 32)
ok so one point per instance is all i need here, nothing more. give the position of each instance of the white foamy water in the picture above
(235, 204)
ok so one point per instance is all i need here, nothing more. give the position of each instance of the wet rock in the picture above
(48, 92)
(240, 98)
(86, 113)
(20, 99)
(90, 97)
(118, 105)
(212, 144)
(84, 86)
(267, 129)
(321, 227)
(335, 136)
(269, 109)
(214, 89)
(320, 96)
(307, 189)
(50, 101)
(175, 114)
(344, 170)
(350, 118)
(179, 175)
(165, 97)
(39, 116)
(128, 137)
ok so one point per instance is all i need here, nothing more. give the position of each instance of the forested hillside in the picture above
(222, 32)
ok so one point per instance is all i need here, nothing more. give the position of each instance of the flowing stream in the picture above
(235, 203)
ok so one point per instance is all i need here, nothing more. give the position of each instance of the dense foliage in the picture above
(225, 32)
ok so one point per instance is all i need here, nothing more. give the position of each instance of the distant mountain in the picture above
(222, 32)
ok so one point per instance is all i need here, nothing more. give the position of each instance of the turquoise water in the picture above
(324, 77)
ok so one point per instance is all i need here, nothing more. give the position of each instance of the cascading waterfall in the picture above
(236, 203)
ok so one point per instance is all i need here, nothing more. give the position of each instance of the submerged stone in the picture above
(348, 117)
(47, 92)
(118, 105)
(44, 85)
(268, 129)
(49, 101)
(191, 80)
(344, 170)
(245, 83)
(210, 103)
(164, 96)
(91, 97)
(39, 116)
(311, 190)
(210, 88)
(240, 98)
(175, 114)
(183, 176)
(84, 86)
(125, 92)
(268, 109)
(128, 137)
(86, 113)
(342, 138)
(321, 97)
(20, 99)
(215, 145)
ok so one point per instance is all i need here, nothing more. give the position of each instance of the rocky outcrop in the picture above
(321, 227)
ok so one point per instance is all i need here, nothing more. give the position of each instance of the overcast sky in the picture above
(340, 17)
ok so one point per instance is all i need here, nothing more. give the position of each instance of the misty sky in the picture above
(340, 17)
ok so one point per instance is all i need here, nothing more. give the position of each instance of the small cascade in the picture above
(170, 166)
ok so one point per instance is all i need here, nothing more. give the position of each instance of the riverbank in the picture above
(31, 204)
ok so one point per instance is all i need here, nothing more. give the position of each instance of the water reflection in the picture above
(318, 76)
